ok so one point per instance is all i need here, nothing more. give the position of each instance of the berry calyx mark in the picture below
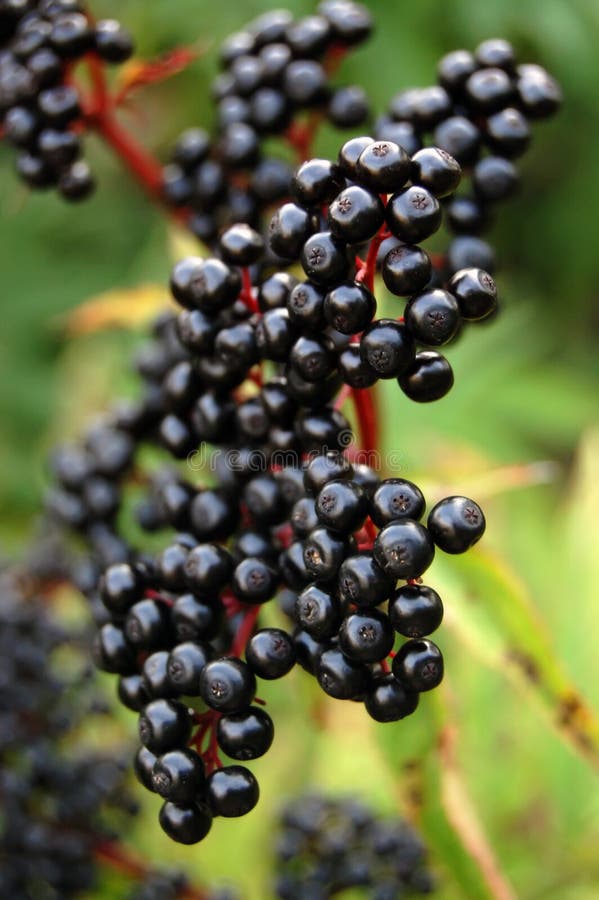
(380, 149)
(419, 201)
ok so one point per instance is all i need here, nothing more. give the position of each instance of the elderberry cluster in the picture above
(40, 110)
(375, 197)
(286, 515)
(274, 73)
(328, 846)
(54, 796)
(480, 112)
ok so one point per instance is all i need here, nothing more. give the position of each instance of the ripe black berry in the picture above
(227, 685)
(418, 665)
(429, 378)
(406, 269)
(388, 701)
(185, 824)
(356, 214)
(455, 524)
(475, 292)
(387, 347)
(404, 549)
(246, 735)
(270, 653)
(232, 791)
(179, 776)
(366, 636)
(432, 317)
(415, 610)
(164, 725)
(413, 214)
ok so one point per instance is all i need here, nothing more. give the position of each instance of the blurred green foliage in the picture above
(526, 390)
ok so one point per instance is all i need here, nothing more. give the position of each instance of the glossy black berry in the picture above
(538, 93)
(429, 378)
(185, 824)
(164, 725)
(418, 665)
(350, 153)
(387, 347)
(339, 677)
(112, 41)
(325, 467)
(353, 370)
(495, 52)
(459, 137)
(270, 653)
(383, 166)
(389, 701)
(341, 506)
(317, 612)
(489, 90)
(415, 610)
(475, 292)
(433, 317)
(232, 791)
(317, 181)
(121, 586)
(324, 259)
(275, 335)
(466, 215)
(404, 549)
(413, 214)
(227, 685)
(406, 269)
(185, 664)
(254, 581)
(213, 515)
(455, 524)
(356, 214)
(289, 229)
(437, 171)
(366, 636)
(143, 766)
(305, 82)
(179, 776)
(240, 245)
(348, 107)
(312, 358)
(466, 252)
(147, 624)
(361, 581)
(396, 498)
(246, 735)
(208, 284)
(455, 68)
(494, 178)
(112, 652)
(508, 132)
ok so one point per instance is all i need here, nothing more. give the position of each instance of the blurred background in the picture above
(519, 432)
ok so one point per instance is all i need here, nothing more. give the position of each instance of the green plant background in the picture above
(520, 431)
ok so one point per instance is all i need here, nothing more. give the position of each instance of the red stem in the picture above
(244, 632)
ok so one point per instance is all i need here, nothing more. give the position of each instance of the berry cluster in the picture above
(54, 801)
(287, 515)
(480, 113)
(329, 846)
(276, 72)
(246, 384)
(384, 203)
(63, 806)
(41, 110)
